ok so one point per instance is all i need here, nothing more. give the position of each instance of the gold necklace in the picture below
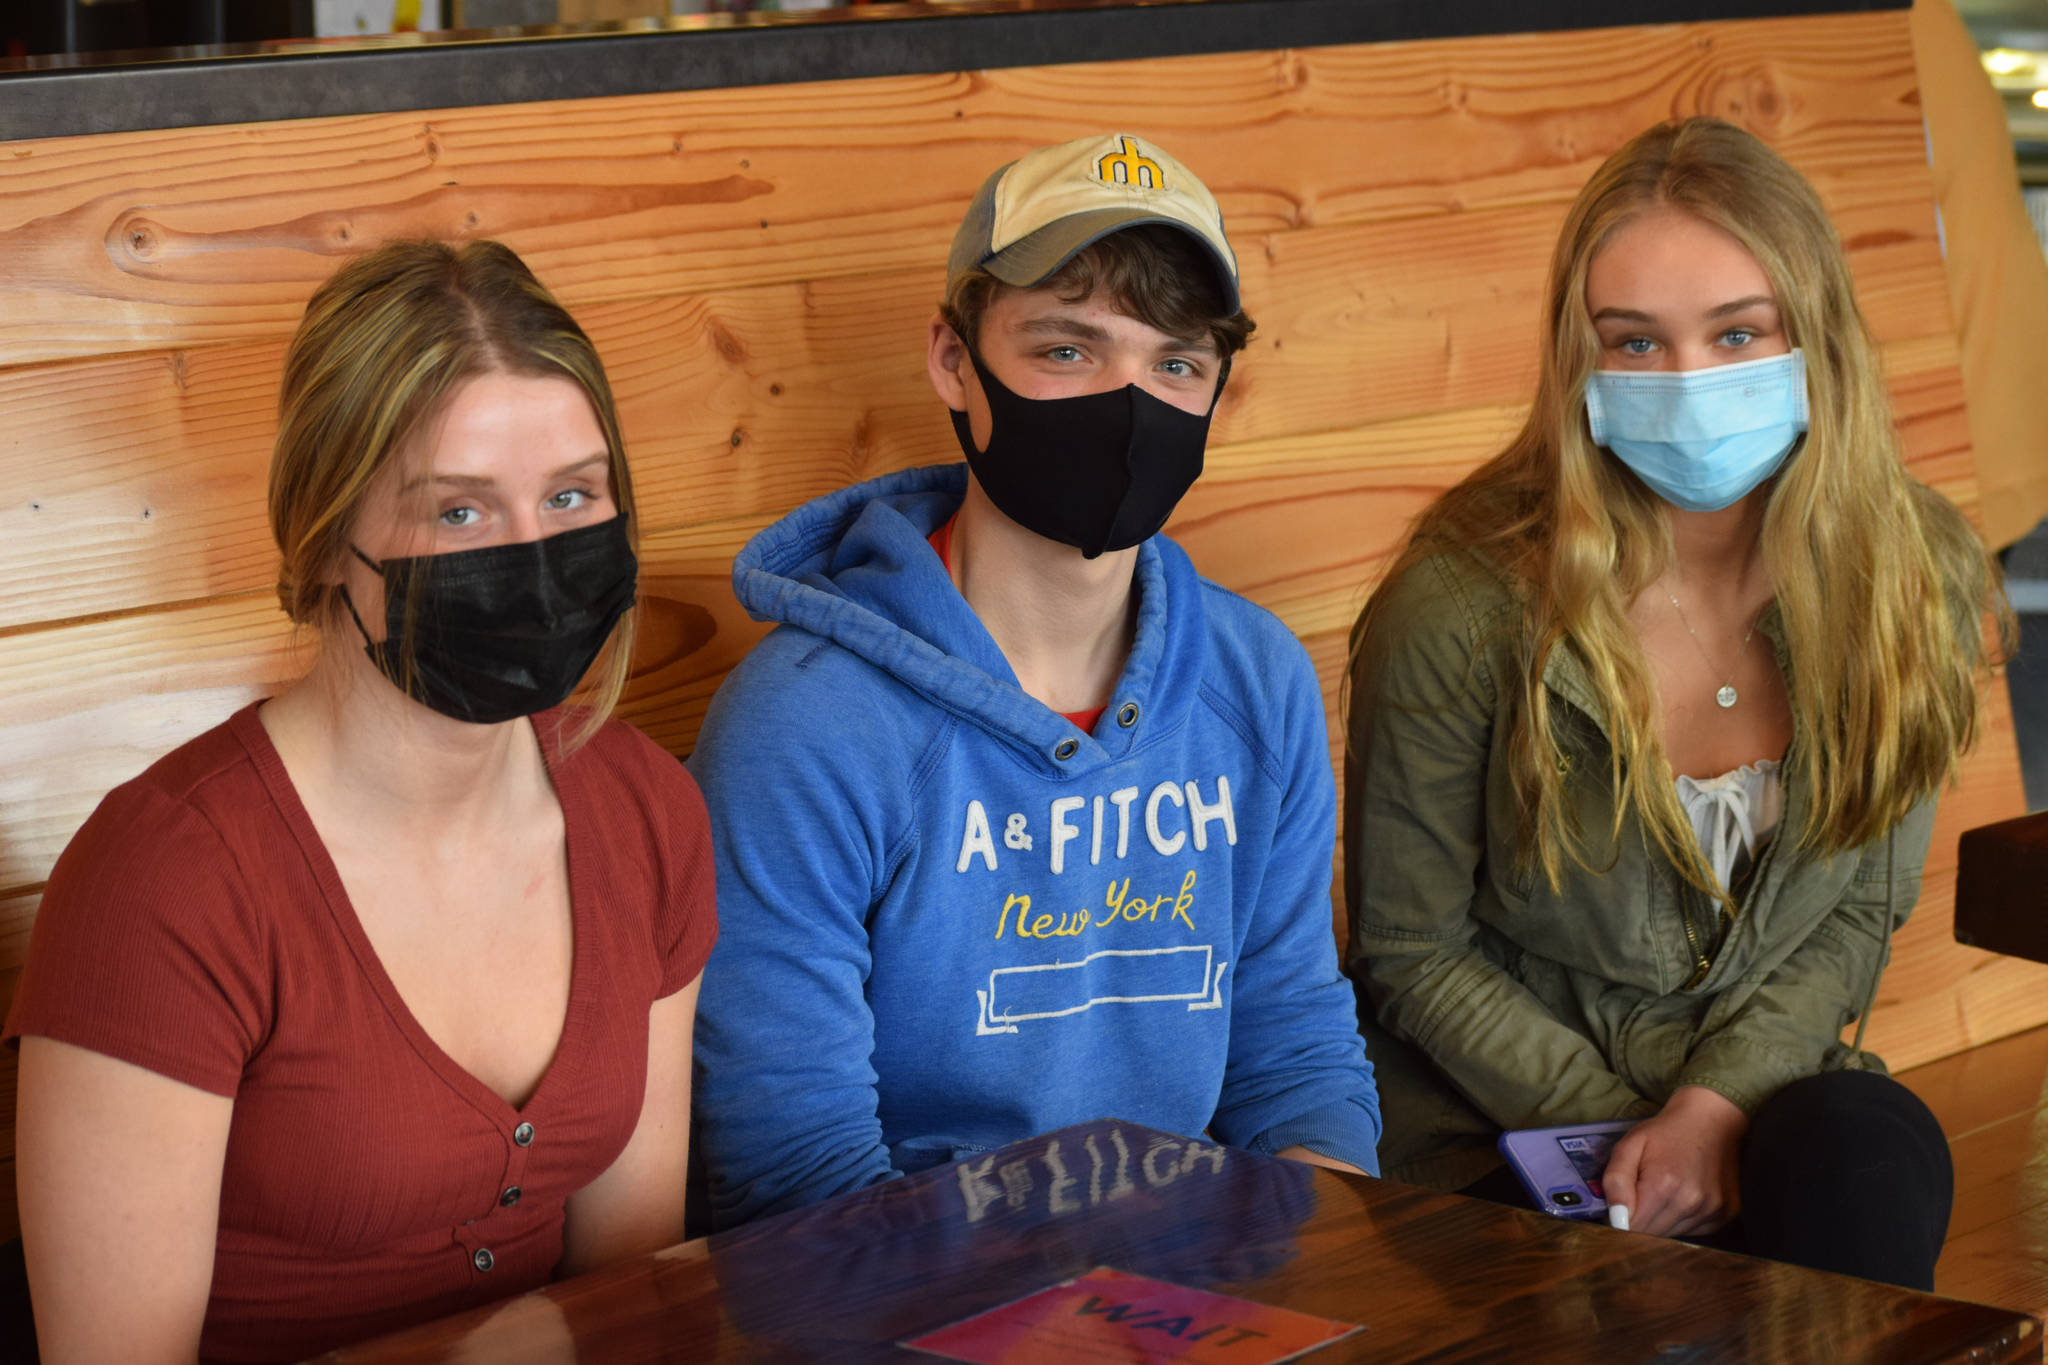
(1727, 696)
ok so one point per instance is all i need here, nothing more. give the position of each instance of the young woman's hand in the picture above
(1679, 1173)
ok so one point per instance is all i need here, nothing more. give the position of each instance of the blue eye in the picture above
(1063, 354)
(1737, 336)
(1178, 368)
(1638, 345)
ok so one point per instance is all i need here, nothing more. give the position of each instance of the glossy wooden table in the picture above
(1431, 1276)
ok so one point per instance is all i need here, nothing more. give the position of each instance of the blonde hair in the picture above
(385, 342)
(1880, 583)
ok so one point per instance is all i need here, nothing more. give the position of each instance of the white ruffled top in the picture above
(1733, 815)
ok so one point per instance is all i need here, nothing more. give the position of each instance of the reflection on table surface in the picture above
(1429, 1275)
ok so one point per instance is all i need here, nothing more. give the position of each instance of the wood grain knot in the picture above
(1751, 99)
(668, 630)
(726, 342)
(135, 237)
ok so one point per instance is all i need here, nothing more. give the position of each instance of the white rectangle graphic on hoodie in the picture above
(1116, 976)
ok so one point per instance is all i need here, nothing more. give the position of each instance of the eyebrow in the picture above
(1061, 325)
(1056, 324)
(480, 481)
(1738, 305)
(1721, 311)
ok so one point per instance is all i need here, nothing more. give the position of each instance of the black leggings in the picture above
(1845, 1171)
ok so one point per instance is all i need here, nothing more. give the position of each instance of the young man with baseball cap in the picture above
(1020, 821)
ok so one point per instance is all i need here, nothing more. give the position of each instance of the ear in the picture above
(946, 362)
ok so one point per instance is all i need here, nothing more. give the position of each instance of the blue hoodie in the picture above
(949, 920)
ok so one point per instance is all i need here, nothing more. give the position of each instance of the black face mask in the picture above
(507, 630)
(1101, 472)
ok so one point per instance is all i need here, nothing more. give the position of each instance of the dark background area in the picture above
(30, 27)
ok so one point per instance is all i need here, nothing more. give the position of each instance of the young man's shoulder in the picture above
(1251, 650)
(800, 695)
(791, 666)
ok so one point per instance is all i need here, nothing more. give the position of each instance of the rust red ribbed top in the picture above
(196, 926)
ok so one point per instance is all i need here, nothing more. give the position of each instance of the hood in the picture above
(855, 567)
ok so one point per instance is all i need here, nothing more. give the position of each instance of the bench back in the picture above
(757, 267)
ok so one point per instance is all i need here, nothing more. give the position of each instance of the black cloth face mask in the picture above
(1100, 472)
(507, 630)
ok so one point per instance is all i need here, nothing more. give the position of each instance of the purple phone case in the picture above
(1561, 1167)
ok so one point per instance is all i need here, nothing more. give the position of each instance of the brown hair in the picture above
(1155, 273)
(385, 342)
(1881, 584)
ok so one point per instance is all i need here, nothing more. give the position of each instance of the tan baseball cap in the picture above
(1033, 215)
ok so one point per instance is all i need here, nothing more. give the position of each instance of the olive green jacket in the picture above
(1599, 1000)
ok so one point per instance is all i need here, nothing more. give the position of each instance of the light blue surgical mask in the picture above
(1702, 439)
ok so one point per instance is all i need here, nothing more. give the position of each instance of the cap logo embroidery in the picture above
(1130, 167)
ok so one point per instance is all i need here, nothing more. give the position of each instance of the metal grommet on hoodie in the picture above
(1127, 714)
(1066, 748)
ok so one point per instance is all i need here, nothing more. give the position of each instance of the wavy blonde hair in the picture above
(1858, 552)
(384, 344)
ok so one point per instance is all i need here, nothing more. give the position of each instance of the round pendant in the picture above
(1726, 696)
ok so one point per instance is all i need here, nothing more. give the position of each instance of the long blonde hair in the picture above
(384, 344)
(1879, 581)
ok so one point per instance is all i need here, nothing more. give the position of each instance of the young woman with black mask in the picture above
(375, 1002)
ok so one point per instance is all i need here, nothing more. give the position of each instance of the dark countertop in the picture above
(118, 92)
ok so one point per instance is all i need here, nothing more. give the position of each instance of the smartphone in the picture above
(1561, 1167)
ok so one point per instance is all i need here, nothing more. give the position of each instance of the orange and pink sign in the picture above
(1110, 1315)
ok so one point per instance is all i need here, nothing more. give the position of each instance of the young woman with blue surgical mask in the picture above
(1647, 722)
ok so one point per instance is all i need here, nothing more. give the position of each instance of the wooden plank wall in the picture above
(756, 267)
